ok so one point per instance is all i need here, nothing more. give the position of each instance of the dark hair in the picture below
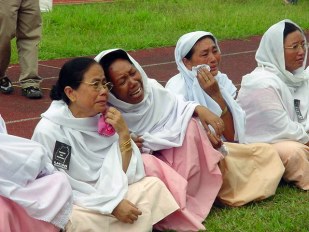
(71, 74)
(289, 28)
(190, 53)
(107, 60)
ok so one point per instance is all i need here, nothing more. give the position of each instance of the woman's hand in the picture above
(215, 141)
(126, 212)
(138, 141)
(207, 117)
(208, 82)
(114, 117)
(210, 85)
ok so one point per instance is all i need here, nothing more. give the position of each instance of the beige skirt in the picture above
(295, 158)
(251, 172)
(150, 195)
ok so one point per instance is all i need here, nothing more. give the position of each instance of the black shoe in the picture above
(6, 85)
(32, 92)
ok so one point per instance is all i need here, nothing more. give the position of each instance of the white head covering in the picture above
(270, 55)
(27, 179)
(161, 118)
(188, 86)
(95, 172)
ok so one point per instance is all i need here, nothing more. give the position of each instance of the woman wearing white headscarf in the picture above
(163, 123)
(110, 190)
(250, 171)
(275, 97)
(33, 197)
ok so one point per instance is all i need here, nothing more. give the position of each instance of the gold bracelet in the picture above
(224, 111)
(126, 143)
(125, 146)
(126, 149)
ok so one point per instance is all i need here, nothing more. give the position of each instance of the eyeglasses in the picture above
(98, 85)
(296, 47)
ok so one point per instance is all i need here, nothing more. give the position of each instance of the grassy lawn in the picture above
(83, 30)
(287, 211)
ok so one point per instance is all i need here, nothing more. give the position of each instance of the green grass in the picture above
(287, 211)
(82, 30)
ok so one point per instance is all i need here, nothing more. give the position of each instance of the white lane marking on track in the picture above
(22, 120)
(163, 63)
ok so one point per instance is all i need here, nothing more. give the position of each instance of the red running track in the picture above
(22, 114)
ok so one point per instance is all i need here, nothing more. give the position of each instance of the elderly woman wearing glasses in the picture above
(275, 97)
(110, 190)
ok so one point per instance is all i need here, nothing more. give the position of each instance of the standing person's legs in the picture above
(28, 35)
(8, 19)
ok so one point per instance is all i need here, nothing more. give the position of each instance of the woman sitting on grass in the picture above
(275, 97)
(33, 197)
(162, 123)
(251, 171)
(111, 192)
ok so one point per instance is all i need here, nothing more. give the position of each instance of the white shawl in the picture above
(2, 126)
(267, 94)
(186, 84)
(161, 118)
(95, 170)
(270, 55)
(22, 179)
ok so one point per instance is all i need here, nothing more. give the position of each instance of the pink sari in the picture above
(13, 218)
(192, 175)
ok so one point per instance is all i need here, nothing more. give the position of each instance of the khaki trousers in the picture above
(251, 172)
(295, 157)
(150, 195)
(21, 19)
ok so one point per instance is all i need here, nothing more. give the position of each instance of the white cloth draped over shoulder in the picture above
(95, 172)
(161, 118)
(29, 180)
(186, 84)
(2, 126)
(267, 94)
